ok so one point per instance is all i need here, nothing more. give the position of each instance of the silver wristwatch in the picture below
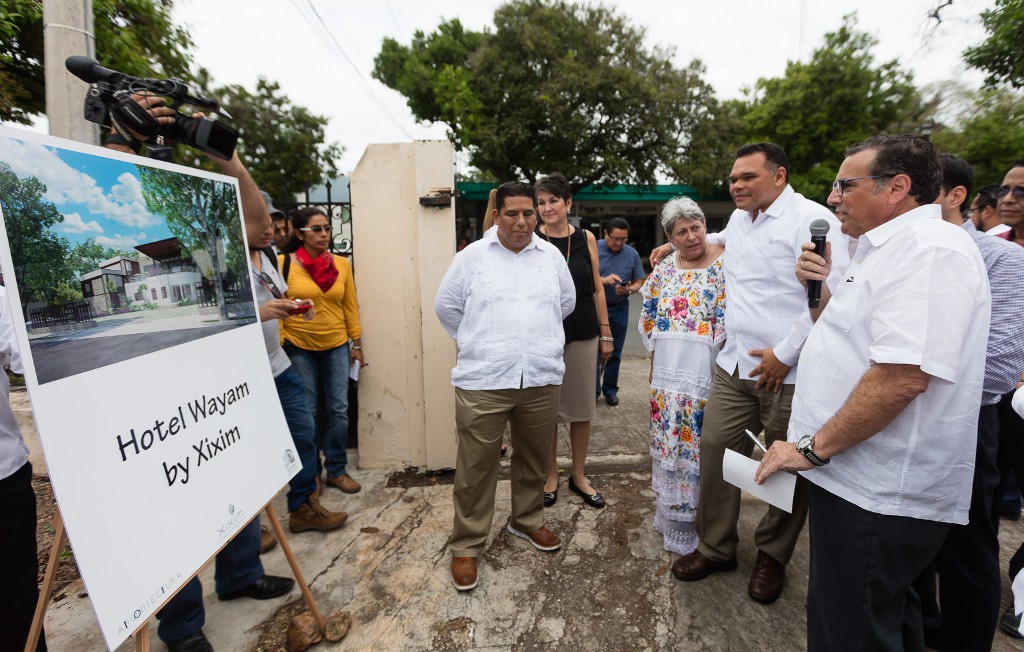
(805, 446)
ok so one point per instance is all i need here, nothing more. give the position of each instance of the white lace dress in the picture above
(682, 322)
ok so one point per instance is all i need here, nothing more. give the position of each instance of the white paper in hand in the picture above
(777, 490)
(353, 370)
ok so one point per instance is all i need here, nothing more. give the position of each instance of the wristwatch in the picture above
(805, 446)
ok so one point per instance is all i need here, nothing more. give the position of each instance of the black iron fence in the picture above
(68, 313)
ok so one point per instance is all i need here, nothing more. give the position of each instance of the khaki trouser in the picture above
(480, 417)
(734, 405)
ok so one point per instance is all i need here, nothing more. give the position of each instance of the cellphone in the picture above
(624, 283)
(300, 309)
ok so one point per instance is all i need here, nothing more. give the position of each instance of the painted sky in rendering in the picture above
(100, 198)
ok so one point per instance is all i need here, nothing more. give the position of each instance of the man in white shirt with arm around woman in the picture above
(767, 321)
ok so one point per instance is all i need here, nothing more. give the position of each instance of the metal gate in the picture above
(340, 215)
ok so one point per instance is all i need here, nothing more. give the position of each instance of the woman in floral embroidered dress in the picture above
(682, 323)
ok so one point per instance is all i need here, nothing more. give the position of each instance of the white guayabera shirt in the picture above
(767, 302)
(916, 293)
(505, 312)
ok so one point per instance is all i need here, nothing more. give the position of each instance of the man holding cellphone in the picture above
(622, 274)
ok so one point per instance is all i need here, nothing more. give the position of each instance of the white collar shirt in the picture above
(505, 310)
(13, 453)
(998, 229)
(767, 303)
(917, 294)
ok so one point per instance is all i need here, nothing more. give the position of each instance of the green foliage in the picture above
(87, 256)
(136, 37)
(989, 134)
(556, 86)
(1001, 54)
(40, 256)
(840, 97)
(66, 292)
(201, 213)
(712, 147)
(283, 145)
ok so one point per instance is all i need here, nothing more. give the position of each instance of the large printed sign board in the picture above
(152, 393)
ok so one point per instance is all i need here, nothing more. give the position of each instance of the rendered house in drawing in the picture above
(168, 275)
(104, 287)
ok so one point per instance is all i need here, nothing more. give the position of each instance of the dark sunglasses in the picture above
(1018, 192)
(269, 282)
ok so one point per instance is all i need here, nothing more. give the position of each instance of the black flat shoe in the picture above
(1010, 623)
(596, 500)
(264, 588)
(550, 498)
(195, 643)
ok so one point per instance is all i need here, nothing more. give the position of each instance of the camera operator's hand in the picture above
(156, 107)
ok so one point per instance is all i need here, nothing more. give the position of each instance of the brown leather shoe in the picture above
(314, 516)
(542, 539)
(345, 483)
(695, 566)
(464, 573)
(267, 540)
(767, 579)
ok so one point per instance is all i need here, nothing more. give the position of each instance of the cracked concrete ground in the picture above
(608, 588)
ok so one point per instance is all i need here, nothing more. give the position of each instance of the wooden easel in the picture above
(142, 633)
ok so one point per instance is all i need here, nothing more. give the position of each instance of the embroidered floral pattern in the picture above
(682, 320)
(683, 303)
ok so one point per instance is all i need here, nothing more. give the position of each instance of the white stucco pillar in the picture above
(401, 250)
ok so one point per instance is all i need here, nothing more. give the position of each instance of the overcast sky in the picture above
(328, 70)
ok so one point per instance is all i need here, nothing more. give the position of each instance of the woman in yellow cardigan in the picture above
(319, 348)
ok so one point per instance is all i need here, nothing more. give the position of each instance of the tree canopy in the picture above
(136, 37)
(989, 134)
(839, 97)
(283, 145)
(40, 256)
(201, 213)
(556, 86)
(1001, 54)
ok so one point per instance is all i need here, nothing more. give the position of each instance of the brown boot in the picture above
(345, 483)
(314, 516)
(267, 540)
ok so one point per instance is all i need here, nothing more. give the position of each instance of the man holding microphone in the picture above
(885, 414)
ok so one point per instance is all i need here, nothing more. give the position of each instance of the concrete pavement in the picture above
(609, 588)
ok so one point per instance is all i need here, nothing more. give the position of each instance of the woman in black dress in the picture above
(586, 333)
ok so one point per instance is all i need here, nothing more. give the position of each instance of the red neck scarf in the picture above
(321, 268)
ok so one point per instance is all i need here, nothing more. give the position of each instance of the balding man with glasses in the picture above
(1011, 202)
(885, 416)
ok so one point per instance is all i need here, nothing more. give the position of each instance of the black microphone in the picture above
(88, 70)
(819, 229)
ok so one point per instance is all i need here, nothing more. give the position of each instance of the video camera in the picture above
(109, 103)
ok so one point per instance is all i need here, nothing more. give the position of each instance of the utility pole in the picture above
(67, 31)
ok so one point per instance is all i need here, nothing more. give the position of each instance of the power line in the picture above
(322, 30)
(394, 18)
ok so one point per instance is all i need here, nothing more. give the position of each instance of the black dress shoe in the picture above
(1010, 623)
(264, 588)
(195, 643)
(550, 498)
(594, 500)
(611, 400)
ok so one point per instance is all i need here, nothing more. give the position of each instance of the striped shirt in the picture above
(1004, 355)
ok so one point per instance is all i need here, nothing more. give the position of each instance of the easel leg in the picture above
(290, 556)
(142, 639)
(48, 580)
